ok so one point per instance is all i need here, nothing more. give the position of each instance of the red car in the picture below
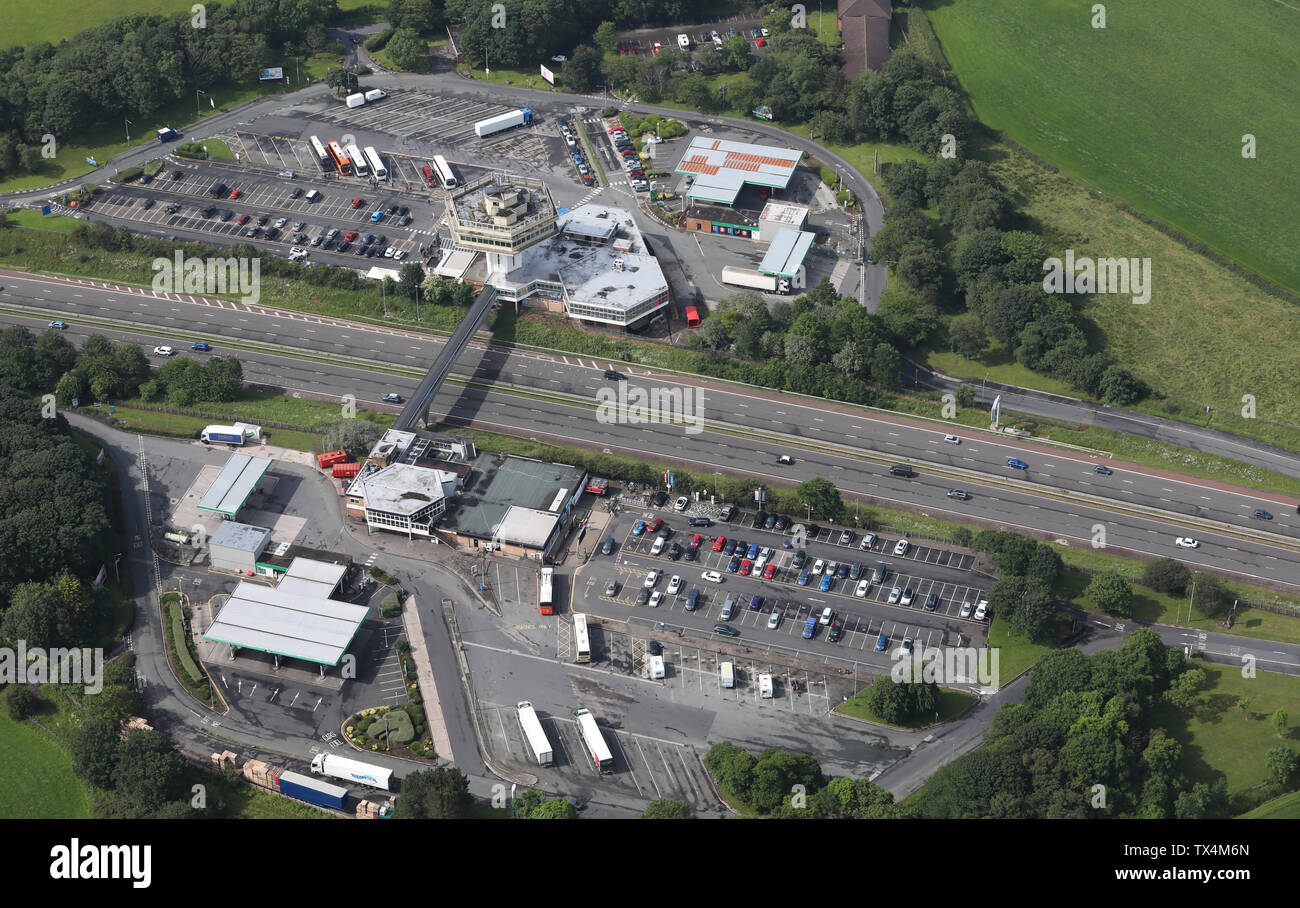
(236, 193)
(696, 539)
(349, 236)
(655, 525)
(761, 42)
(719, 543)
(658, 47)
(243, 219)
(769, 572)
(746, 566)
(357, 203)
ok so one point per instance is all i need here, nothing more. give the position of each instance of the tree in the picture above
(526, 803)
(435, 794)
(732, 768)
(966, 336)
(668, 810)
(149, 772)
(1282, 764)
(1243, 704)
(822, 495)
(908, 318)
(1210, 594)
(885, 366)
(606, 37)
(850, 360)
(582, 71)
(554, 809)
(856, 799)
(21, 701)
(1119, 386)
(736, 52)
(356, 436)
(1279, 722)
(1111, 593)
(408, 51)
(95, 752)
(341, 81)
(410, 278)
(776, 772)
(1167, 575)
(1185, 689)
(1057, 674)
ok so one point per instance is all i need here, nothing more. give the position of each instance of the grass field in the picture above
(952, 703)
(36, 779)
(1285, 807)
(1152, 108)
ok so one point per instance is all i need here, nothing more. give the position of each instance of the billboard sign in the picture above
(547, 75)
(271, 75)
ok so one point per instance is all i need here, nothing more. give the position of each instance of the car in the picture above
(297, 192)
(719, 543)
(755, 33)
(752, 552)
(902, 469)
(864, 587)
(174, 207)
(952, 439)
(608, 547)
(711, 576)
(1187, 542)
(369, 238)
(907, 645)
(901, 547)
(755, 603)
(236, 193)
(832, 567)
(696, 66)
(880, 573)
(208, 212)
(674, 585)
(799, 558)
(611, 588)
(931, 602)
(692, 599)
(818, 566)
(376, 217)
(655, 598)
(373, 251)
(715, 36)
(773, 621)
(651, 579)
(298, 225)
(656, 648)
(846, 537)
(658, 47)
(403, 210)
(734, 565)
(656, 525)
(842, 572)
(391, 398)
(882, 643)
(392, 209)
(855, 572)
(674, 551)
(769, 572)
(253, 231)
(804, 577)
(683, 42)
(781, 523)
(867, 542)
(358, 202)
(262, 219)
(642, 597)
(201, 346)
(729, 511)
(428, 175)
(243, 219)
(333, 232)
(809, 628)
(300, 237)
(148, 203)
(766, 33)
(836, 632)
(760, 41)
(163, 351)
(895, 594)
(638, 528)
(959, 494)
(343, 246)
(58, 325)
(770, 522)
(908, 596)
(289, 174)
(966, 609)
(399, 255)
(827, 614)
(826, 582)
(404, 220)
(1261, 514)
(785, 460)
(227, 215)
(1102, 470)
(726, 629)
(1017, 463)
(745, 567)
(389, 252)
(272, 232)
(682, 503)
(981, 610)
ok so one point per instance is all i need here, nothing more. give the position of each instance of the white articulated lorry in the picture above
(521, 117)
(352, 771)
(745, 277)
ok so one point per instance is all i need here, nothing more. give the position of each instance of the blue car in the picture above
(201, 346)
(881, 643)
(367, 239)
(753, 552)
(809, 627)
(377, 216)
(59, 325)
(827, 580)
(1017, 463)
(734, 565)
(638, 528)
(756, 603)
(803, 577)
(729, 548)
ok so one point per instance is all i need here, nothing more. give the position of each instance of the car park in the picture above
(1102, 470)
(773, 621)
(711, 576)
(655, 598)
(1017, 463)
(931, 602)
(966, 609)
(908, 596)
(864, 587)
(826, 582)
(651, 579)
(882, 643)
(901, 547)
(200, 346)
(809, 628)
(895, 594)
(1186, 542)
(726, 629)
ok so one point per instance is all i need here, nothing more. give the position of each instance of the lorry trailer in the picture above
(521, 117)
(346, 470)
(534, 733)
(351, 770)
(313, 791)
(223, 435)
(745, 277)
(356, 100)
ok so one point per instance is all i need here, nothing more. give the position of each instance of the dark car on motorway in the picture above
(1102, 470)
(1261, 514)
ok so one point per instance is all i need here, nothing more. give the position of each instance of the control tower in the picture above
(501, 215)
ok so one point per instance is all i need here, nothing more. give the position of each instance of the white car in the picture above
(674, 585)
(902, 547)
(296, 253)
(163, 351)
(894, 594)
(711, 576)
(683, 42)
(1185, 542)
(399, 255)
(952, 439)
(864, 587)
(908, 595)
(827, 614)
(965, 609)
(773, 621)
(981, 610)
(907, 645)
(651, 579)
(655, 598)
(867, 542)
(681, 503)
(818, 566)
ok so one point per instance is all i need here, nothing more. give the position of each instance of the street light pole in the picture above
(128, 130)
(197, 112)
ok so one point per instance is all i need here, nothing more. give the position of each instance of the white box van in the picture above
(765, 686)
(656, 667)
(728, 609)
(658, 546)
(312, 196)
(728, 672)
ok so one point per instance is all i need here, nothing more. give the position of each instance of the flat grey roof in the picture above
(242, 537)
(784, 213)
(526, 526)
(236, 481)
(287, 623)
(787, 252)
(400, 488)
(309, 577)
(497, 483)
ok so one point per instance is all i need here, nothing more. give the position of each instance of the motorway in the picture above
(554, 398)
